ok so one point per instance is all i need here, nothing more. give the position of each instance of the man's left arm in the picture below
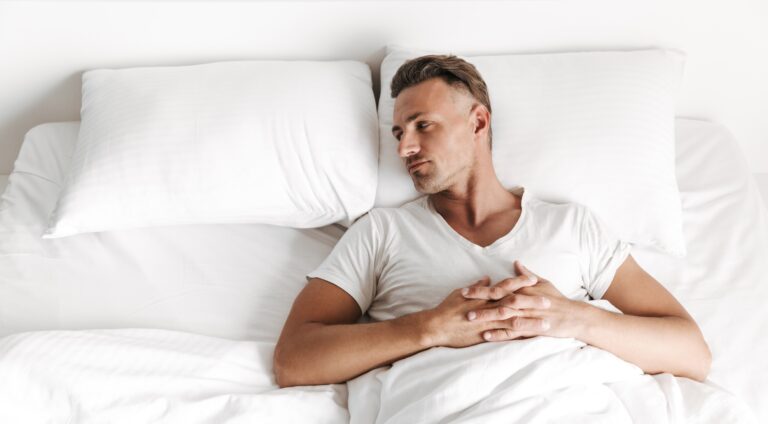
(655, 332)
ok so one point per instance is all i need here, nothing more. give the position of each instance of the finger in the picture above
(493, 292)
(503, 288)
(518, 327)
(483, 282)
(493, 314)
(523, 301)
(525, 271)
(514, 284)
(510, 306)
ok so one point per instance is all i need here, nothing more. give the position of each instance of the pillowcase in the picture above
(595, 128)
(290, 143)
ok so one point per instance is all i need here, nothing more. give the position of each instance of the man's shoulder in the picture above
(382, 216)
(407, 209)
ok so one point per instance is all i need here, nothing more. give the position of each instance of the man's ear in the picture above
(481, 118)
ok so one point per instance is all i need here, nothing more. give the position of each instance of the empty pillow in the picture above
(290, 143)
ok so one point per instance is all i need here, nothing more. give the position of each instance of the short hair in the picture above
(456, 72)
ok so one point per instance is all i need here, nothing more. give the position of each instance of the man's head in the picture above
(442, 117)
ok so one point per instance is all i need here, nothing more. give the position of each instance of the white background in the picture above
(44, 46)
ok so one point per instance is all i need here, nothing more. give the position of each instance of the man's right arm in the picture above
(321, 343)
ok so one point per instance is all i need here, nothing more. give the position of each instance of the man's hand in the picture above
(524, 299)
(448, 324)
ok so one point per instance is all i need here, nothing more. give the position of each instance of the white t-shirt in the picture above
(396, 261)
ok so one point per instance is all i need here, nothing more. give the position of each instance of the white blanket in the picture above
(151, 376)
(162, 376)
(536, 380)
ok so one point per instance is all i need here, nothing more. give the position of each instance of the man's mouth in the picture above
(415, 165)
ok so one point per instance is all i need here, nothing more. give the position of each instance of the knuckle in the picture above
(508, 283)
(525, 290)
(544, 325)
(502, 311)
(497, 292)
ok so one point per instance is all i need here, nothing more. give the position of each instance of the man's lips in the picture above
(416, 164)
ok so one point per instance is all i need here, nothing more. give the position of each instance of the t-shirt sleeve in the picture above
(602, 253)
(351, 265)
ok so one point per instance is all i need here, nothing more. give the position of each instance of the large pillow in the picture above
(290, 143)
(596, 128)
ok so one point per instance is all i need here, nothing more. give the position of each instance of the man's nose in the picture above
(408, 145)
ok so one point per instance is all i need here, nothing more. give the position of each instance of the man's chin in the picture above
(423, 188)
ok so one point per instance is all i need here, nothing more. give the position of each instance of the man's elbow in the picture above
(699, 362)
(281, 379)
(702, 363)
(282, 371)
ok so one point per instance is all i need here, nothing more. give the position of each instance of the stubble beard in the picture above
(435, 182)
(428, 183)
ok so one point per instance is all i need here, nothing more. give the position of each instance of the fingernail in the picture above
(531, 279)
(464, 291)
(472, 315)
(487, 336)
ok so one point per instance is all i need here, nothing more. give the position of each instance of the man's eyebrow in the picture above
(407, 120)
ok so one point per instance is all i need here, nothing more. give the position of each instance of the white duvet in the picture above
(163, 376)
(151, 376)
(536, 380)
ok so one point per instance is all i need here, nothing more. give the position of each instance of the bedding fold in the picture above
(535, 380)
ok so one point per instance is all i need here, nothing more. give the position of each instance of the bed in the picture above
(182, 328)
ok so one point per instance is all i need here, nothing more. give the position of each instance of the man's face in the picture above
(433, 124)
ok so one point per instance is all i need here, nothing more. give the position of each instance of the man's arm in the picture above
(321, 342)
(655, 332)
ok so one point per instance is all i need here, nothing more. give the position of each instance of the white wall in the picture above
(44, 46)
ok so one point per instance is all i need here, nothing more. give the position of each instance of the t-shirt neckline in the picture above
(442, 223)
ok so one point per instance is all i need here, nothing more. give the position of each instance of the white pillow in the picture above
(595, 128)
(289, 143)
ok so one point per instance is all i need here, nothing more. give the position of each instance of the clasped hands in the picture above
(526, 305)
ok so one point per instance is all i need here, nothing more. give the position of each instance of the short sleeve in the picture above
(602, 252)
(351, 265)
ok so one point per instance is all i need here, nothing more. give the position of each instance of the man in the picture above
(407, 266)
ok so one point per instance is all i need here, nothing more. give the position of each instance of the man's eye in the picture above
(423, 124)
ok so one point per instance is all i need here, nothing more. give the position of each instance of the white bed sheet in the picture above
(238, 281)
(721, 281)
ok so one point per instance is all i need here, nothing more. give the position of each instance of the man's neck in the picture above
(470, 205)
